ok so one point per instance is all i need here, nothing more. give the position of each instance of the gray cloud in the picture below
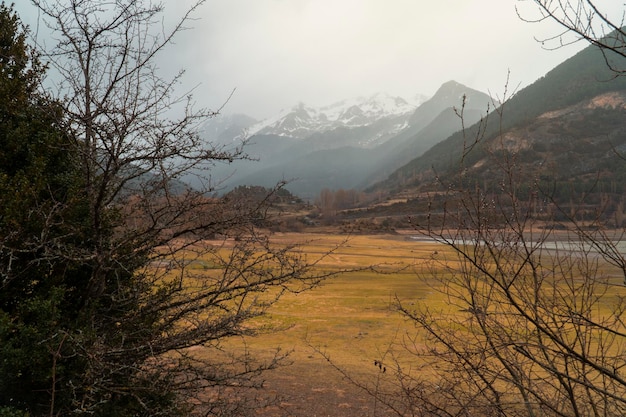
(279, 52)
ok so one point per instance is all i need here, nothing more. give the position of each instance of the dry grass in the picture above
(353, 315)
(351, 318)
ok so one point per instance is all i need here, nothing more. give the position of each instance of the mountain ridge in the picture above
(301, 120)
(308, 161)
(579, 79)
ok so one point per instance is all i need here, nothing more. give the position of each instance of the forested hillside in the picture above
(574, 82)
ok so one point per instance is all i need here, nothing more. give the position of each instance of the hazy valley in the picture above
(351, 144)
(565, 131)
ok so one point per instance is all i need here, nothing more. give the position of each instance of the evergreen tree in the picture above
(40, 213)
(101, 296)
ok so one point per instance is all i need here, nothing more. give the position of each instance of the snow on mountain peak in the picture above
(302, 121)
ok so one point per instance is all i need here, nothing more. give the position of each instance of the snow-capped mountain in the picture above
(390, 113)
(349, 144)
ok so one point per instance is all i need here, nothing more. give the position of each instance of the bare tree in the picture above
(526, 315)
(588, 20)
(168, 269)
(532, 322)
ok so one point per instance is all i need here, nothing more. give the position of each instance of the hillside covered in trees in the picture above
(565, 131)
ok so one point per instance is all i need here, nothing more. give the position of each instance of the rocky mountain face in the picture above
(581, 144)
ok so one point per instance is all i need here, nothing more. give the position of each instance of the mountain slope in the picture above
(432, 122)
(575, 155)
(579, 78)
(309, 174)
(351, 147)
(226, 129)
(276, 145)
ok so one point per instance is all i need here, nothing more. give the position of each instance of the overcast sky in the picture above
(276, 53)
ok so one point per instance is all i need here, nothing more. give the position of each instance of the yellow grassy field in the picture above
(352, 318)
(352, 315)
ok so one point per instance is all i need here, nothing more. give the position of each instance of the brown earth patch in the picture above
(316, 390)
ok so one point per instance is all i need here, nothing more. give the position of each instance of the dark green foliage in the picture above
(54, 323)
(41, 223)
(12, 412)
(99, 299)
